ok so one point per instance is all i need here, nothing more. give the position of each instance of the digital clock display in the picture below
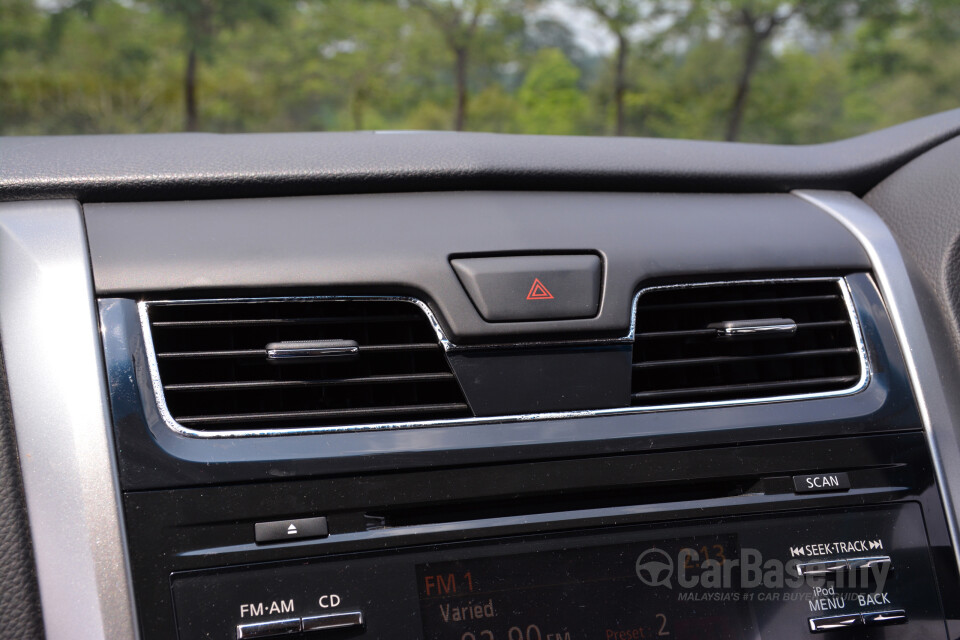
(634, 591)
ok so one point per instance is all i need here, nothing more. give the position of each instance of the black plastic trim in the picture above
(153, 456)
(199, 166)
(400, 244)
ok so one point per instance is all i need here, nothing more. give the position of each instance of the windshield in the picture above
(796, 71)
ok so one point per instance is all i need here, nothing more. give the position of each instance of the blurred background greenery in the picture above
(790, 71)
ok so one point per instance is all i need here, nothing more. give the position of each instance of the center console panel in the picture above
(865, 570)
(575, 484)
(560, 546)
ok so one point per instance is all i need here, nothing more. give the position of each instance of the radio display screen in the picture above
(675, 589)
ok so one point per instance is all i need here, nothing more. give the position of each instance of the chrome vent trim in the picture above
(693, 338)
(448, 345)
(214, 377)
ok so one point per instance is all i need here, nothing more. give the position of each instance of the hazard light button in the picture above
(519, 288)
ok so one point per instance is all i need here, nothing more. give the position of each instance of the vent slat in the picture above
(678, 355)
(690, 333)
(786, 385)
(194, 324)
(212, 364)
(733, 303)
(273, 384)
(688, 362)
(262, 353)
(324, 413)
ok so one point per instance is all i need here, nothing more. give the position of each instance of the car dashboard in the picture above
(480, 387)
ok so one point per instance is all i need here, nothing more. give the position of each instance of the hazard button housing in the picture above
(530, 288)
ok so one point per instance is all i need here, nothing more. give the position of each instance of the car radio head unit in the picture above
(773, 577)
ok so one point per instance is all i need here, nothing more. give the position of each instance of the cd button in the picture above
(333, 621)
(268, 629)
(833, 623)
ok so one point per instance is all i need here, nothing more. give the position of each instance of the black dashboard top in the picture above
(200, 166)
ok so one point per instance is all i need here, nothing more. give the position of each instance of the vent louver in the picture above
(211, 357)
(688, 348)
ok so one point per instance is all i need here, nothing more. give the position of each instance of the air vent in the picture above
(331, 362)
(743, 341)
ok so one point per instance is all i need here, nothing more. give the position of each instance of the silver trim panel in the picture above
(449, 346)
(55, 370)
(893, 280)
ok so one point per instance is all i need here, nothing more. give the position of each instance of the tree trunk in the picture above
(751, 56)
(357, 105)
(460, 72)
(620, 84)
(190, 91)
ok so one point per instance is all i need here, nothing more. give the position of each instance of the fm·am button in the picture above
(821, 483)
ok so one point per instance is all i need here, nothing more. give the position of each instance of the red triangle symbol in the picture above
(538, 291)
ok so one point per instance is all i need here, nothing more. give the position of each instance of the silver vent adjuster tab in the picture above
(745, 341)
(308, 350)
(770, 327)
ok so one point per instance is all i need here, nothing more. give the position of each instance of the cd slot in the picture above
(563, 501)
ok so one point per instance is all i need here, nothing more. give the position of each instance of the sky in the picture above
(590, 34)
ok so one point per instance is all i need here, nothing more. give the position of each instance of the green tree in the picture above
(618, 16)
(550, 98)
(109, 71)
(495, 110)
(18, 24)
(355, 57)
(758, 21)
(461, 23)
(653, 19)
(201, 21)
(904, 64)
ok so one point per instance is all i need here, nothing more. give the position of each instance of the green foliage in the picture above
(828, 69)
(202, 20)
(550, 98)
